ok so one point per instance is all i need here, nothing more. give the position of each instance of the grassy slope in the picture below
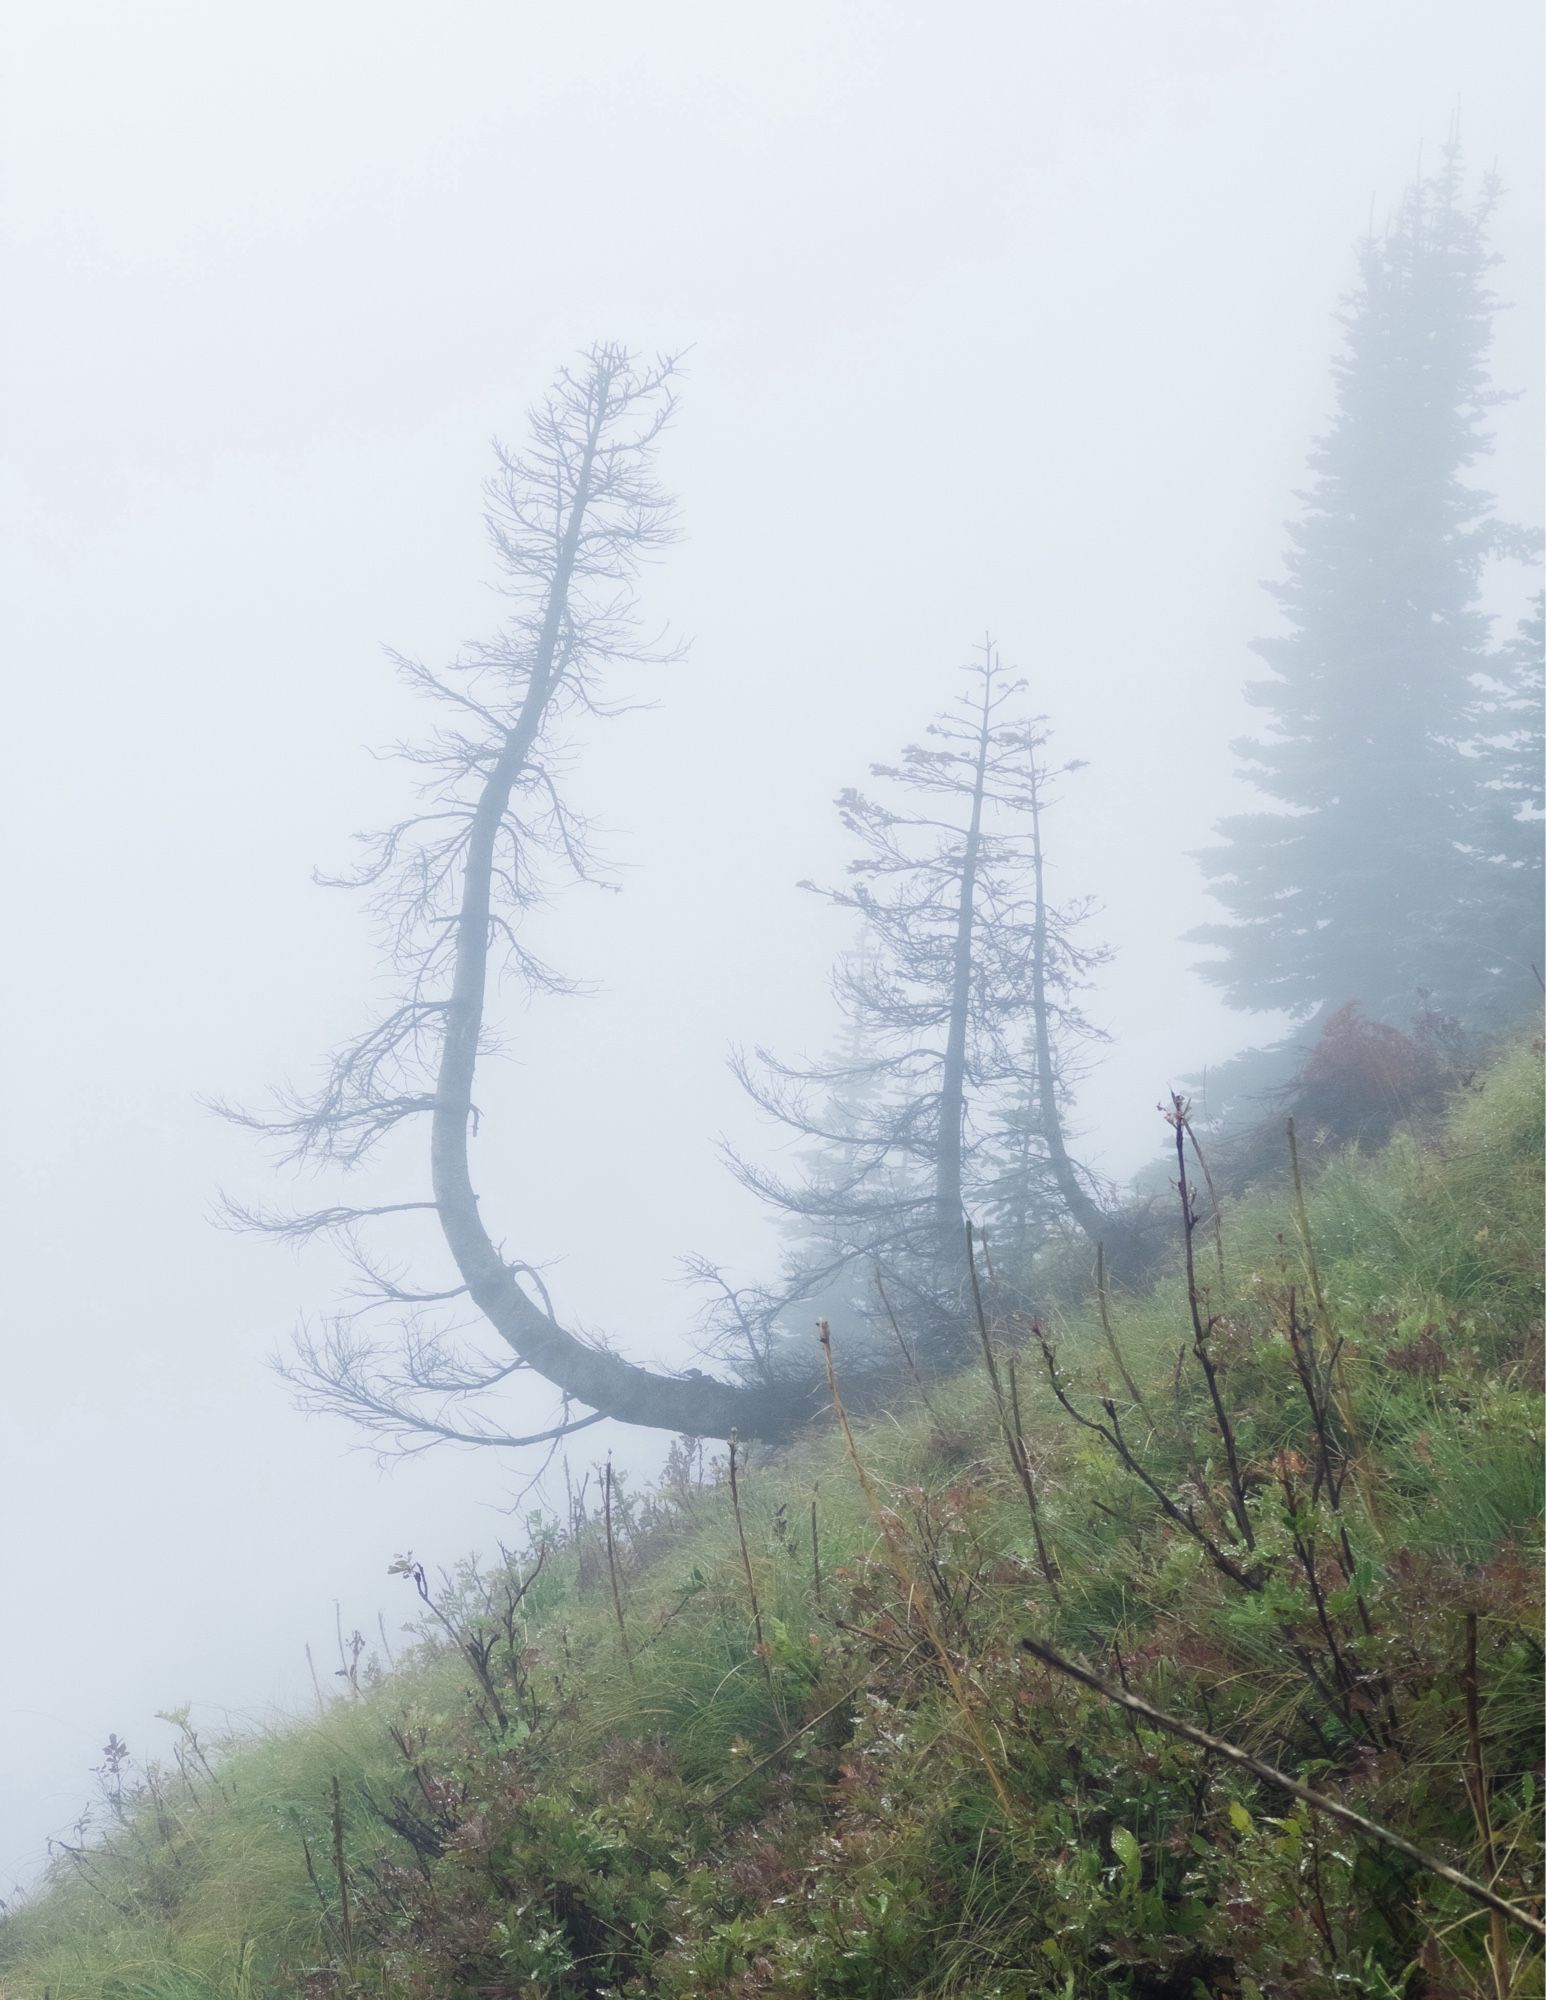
(1017, 1835)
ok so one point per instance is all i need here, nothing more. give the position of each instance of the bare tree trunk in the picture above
(1077, 1199)
(949, 1208)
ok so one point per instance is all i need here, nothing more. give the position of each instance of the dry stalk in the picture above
(1331, 1471)
(1103, 1299)
(1348, 1675)
(1252, 1579)
(1009, 1422)
(1476, 1787)
(311, 1876)
(617, 1594)
(1328, 1333)
(341, 1870)
(917, 1598)
(1202, 1332)
(316, 1685)
(751, 1586)
(1213, 1197)
(1111, 1433)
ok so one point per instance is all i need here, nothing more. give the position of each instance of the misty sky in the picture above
(1008, 316)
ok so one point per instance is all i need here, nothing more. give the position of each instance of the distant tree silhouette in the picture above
(1507, 836)
(1392, 849)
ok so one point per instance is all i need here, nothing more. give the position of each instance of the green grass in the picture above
(636, 1827)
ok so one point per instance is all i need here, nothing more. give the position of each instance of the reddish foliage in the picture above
(1425, 1356)
(1363, 1077)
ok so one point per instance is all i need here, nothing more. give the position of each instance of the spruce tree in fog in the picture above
(1381, 867)
(1508, 836)
(960, 1018)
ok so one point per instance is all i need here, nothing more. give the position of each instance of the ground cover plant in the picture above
(812, 1729)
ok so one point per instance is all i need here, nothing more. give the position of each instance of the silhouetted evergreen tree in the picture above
(1379, 873)
(1508, 836)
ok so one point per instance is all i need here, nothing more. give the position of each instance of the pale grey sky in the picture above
(1008, 315)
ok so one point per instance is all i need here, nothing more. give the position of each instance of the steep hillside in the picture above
(785, 1737)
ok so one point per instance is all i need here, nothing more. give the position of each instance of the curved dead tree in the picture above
(571, 518)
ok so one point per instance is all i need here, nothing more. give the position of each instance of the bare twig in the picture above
(1116, 1442)
(1217, 1217)
(341, 1870)
(1328, 1333)
(1269, 1774)
(751, 1581)
(617, 1594)
(1202, 1333)
(1476, 1786)
(1331, 1470)
(1009, 1422)
(1103, 1300)
(1348, 1676)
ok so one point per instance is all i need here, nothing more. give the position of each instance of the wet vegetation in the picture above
(838, 1725)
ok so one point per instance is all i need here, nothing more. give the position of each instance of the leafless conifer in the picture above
(963, 1025)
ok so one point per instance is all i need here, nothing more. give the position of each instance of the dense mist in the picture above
(1014, 321)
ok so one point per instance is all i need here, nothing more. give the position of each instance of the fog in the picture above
(1008, 317)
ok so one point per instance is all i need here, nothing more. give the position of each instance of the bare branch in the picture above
(315, 1222)
(409, 1396)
